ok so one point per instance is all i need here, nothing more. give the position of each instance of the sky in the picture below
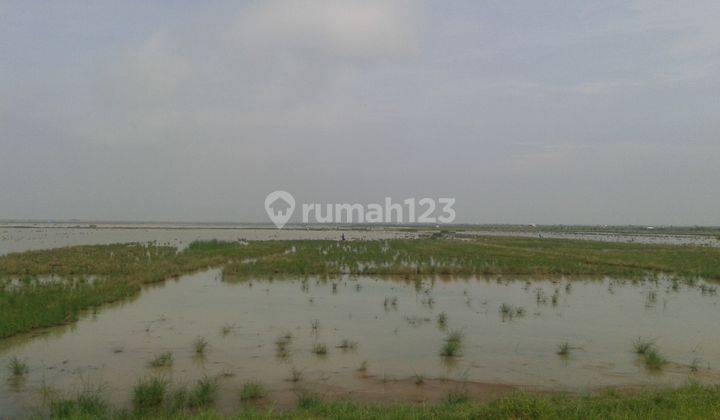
(553, 112)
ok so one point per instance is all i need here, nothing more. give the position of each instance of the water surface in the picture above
(399, 338)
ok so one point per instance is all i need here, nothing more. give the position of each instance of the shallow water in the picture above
(600, 318)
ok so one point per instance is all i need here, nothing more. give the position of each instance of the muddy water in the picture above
(600, 318)
(19, 239)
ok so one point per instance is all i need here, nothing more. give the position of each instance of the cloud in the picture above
(692, 24)
(197, 112)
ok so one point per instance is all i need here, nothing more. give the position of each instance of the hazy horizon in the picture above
(602, 113)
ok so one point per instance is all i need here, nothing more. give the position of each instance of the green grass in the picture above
(252, 391)
(654, 360)
(320, 349)
(90, 276)
(149, 393)
(456, 396)
(453, 344)
(307, 400)
(642, 345)
(692, 401)
(508, 311)
(17, 367)
(204, 393)
(88, 403)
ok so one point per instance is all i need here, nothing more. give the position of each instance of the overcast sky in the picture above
(524, 111)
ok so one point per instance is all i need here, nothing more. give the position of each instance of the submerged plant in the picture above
(282, 345)
(654, 360)
(295, 374)
(363, 366)
(200, 344)
(346, 344)
(17, 366)
(226, 329)
(320, 349)
(695, 365)
(564, 349)
(642, 346)
(442, 319)
(508, 311)
(162, 360)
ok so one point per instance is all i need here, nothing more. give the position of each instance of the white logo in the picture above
(280, 206)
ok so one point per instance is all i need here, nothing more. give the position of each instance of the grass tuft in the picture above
(18, 367)
(252, 391)
(654, 360)
(453, 344)
(320, 349)
(200, 345)
(346, 344)
(564, 349)
(149, 393)
(204, 392)
(642, 346)
(162, 360)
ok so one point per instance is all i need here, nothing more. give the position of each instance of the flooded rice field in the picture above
(639, 238)
(377, 338)
(37, 236)
(43, 236)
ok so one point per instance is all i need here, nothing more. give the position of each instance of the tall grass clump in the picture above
(200, 345)
(17, 367)
(642, 346)
(452, 345)
(162, 360)
(89, 403)
(149, 393)
(252, 391)
(654, 360)
(320, 349)
(307, 400)
(204, 392)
